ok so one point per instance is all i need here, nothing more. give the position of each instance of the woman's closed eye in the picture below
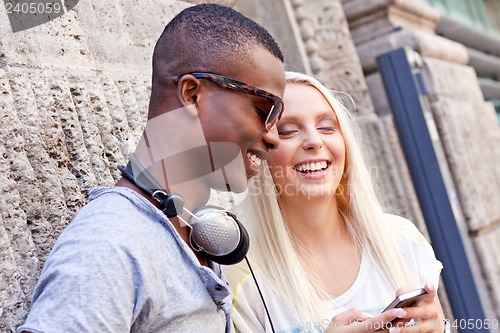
(287, 130)
(327, 126)
(287, 133)
(291, 131)
(327, 129)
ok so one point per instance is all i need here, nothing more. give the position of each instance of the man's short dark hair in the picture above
(207, 37)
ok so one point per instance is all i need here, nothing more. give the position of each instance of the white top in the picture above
(370, 292)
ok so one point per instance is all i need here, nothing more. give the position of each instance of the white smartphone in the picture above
(408, 299)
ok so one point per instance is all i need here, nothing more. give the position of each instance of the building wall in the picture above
(466, 124)
(483, 14)
(475, 24)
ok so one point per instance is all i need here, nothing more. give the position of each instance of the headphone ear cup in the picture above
(172, 205)
(218, 235)
(238, 254)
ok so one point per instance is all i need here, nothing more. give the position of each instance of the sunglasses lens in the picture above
(274, 114)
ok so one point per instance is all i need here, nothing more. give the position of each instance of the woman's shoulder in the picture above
(415, 249)
(402, 228)
(240, 276)
(238, 273)
(247, 302)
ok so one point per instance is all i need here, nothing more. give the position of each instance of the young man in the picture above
(122, 265)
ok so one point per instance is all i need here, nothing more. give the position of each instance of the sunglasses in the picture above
(273, 115)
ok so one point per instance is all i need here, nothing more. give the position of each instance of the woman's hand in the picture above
(355, 321)
(427, 315)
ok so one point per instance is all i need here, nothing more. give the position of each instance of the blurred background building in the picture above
(74, 94)
(476, 25)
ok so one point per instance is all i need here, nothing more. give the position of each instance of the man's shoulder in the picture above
(118, 217)
(102, 193)
(109, 204)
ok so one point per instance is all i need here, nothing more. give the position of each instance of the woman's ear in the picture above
(188, 89)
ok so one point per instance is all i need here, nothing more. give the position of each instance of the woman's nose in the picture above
(312, 140)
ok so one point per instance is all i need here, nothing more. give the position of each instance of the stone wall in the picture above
(73, 99)
(470, 135)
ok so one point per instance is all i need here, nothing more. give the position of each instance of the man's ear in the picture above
(188, 89)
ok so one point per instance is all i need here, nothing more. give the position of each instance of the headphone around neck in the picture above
(214, 232)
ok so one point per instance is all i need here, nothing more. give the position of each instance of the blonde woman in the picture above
(324, 254)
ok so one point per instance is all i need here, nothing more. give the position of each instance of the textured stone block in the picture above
(473, 168)
(427, 44)
(487, 247)
(118, 126)
(94, 32)
(332, 54)
(278, 18)
(56, 125)
(12, 299)
(78, 163)
(112, 27)
(136, 115)
(78, 83)
(98, 108)
(470, 137)
(452, 80)
(51, 42)
(141, 87)
(16, 184)
(378, 95)
(51, 214)
(369, 19)
(388, 167)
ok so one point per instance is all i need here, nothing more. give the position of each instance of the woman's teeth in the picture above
(312, 167)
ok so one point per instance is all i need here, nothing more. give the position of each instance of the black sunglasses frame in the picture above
(277, 103)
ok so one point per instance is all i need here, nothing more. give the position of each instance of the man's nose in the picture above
(271, 138)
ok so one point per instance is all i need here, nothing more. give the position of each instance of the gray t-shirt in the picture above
(120, 266)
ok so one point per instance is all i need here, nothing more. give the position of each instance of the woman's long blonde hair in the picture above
(281, 257)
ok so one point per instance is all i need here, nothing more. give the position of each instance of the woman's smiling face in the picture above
(310, 159)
